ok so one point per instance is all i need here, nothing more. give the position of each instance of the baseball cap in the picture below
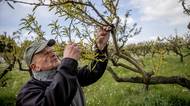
(36, 47)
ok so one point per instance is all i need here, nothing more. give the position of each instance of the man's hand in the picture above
(72, 51)
(102, 37)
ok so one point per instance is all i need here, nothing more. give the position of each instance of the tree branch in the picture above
(96, 11)
(133, 62)
(187, 11)
(153, 80)
(125, 66)
(89, 17)
(9, 68)
(54, 4)
(20, 66)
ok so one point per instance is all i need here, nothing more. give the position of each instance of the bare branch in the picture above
(125, 66)
(9, 68)
(128, 67)
(113, 33)
(70, 30)
(98, 13)
(132, 62)
(117, 2)
(187, 11)
(54, 4)
(153, 80)
(89, 17)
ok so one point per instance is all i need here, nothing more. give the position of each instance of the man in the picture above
(58, 83)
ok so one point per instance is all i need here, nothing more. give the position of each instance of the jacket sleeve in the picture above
(61, 91)
(90, 74)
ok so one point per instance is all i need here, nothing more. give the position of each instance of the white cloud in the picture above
(130, 20)
(169, 11)
(141, 38)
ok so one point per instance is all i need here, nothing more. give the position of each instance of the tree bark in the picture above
(181, 58)
(20, 66)
(184, 82)
(9, 68)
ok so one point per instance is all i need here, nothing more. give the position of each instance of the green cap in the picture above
(36, 47)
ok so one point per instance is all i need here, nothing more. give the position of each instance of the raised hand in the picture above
(72, 51)
(102, 37)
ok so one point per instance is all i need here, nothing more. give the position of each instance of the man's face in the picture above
(45, 60)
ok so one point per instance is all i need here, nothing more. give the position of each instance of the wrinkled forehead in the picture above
(45, 50)
(41, 54)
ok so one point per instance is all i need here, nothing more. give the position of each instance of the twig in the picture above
(54, 4)
(184, 7)
(91, 5)
(89, 17)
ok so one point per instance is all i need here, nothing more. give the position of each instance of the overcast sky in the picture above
(156, 17)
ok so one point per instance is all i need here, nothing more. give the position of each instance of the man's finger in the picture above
(74, 44)
(101, 37)
(107, 28)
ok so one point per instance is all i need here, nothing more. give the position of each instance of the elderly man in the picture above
(58, 83)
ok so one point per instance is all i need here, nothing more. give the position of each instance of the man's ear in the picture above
(34, 67)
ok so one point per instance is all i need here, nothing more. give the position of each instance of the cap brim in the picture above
(49, 43)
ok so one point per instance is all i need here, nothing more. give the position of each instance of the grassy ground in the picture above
(14, 80)
(107, 92)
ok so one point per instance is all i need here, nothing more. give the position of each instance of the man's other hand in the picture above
(72, 51)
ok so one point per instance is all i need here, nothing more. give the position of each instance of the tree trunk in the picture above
(9, 68)
(154, 80)
(181, 58)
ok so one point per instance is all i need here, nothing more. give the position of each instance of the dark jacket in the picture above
(65, 89)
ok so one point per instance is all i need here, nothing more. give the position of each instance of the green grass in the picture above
(14, 80)
(107, 92)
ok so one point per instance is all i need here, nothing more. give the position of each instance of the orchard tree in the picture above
(7, 52)
(11, 52)
(86, 12)
(179, 46)
(186, 7)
